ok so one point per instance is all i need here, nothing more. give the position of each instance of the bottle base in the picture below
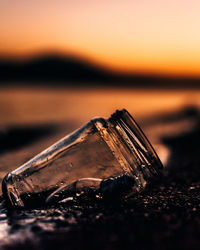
(10, 193)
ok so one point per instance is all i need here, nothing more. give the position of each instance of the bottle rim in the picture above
(147, 163)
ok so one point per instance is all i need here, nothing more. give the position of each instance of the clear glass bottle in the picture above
(108, 155)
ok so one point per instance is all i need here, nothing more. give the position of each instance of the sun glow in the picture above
(159, 37)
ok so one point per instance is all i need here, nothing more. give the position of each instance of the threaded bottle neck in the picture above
(137, 150)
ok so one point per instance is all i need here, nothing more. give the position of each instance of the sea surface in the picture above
(37, 117)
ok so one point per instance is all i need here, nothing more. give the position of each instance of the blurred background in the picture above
(64, 62)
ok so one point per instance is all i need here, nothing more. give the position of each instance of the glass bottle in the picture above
(109, 155)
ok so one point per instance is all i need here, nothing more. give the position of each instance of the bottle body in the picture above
(100, 150)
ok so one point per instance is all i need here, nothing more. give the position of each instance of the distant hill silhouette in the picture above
(51, 69)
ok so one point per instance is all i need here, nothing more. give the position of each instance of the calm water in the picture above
(39, 105)
(68, 108)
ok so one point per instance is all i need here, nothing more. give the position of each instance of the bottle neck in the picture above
(136, 150)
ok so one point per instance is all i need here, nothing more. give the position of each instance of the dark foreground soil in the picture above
(165, 216)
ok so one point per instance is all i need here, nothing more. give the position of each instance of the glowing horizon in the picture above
(154, 37)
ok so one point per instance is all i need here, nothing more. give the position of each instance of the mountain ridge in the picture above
(68, 70)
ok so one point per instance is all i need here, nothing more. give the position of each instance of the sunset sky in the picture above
(148, 36)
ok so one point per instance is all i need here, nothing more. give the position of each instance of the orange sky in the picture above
(148, 36)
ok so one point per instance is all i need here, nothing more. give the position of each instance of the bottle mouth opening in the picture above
(146, 162)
